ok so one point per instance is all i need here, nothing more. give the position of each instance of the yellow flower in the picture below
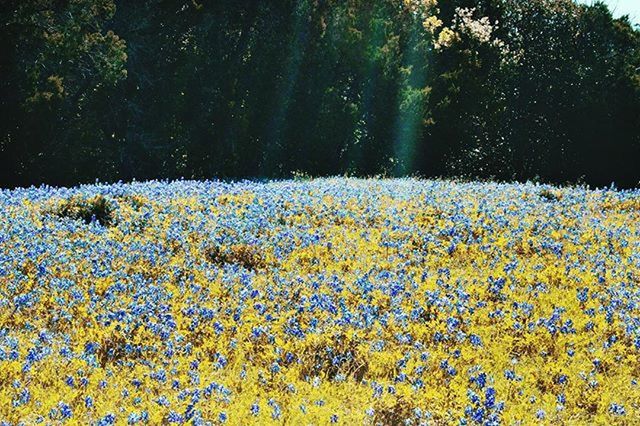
(432, 23)
(446, 38)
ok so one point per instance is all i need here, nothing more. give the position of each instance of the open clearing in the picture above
(329, 300)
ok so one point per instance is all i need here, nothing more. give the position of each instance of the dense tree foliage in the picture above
(111, 89)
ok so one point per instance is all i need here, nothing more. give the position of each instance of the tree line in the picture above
(502, 89)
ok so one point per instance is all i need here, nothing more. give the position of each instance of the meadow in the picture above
(347, 301)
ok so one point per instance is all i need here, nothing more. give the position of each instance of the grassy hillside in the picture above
(333, 300)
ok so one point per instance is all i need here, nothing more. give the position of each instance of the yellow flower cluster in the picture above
(313, 302)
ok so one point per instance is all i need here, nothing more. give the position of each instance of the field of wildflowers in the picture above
(325, 301)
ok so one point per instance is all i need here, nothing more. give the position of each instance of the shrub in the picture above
(549, 195)
(248, 256)
(96, 208)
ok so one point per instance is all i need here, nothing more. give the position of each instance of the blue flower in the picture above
(490, 398)
(475, 340)
(255, 409)
(617, 409)
(107, 420)
(65, 410)
(174, 417)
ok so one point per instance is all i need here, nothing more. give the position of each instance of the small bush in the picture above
(301, 176)
(96, 208)
(319, 361)
(549, 195)
(397, 413)
(245, 255)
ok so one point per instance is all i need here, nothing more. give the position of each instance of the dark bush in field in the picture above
(247, 256)
(96, 208)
